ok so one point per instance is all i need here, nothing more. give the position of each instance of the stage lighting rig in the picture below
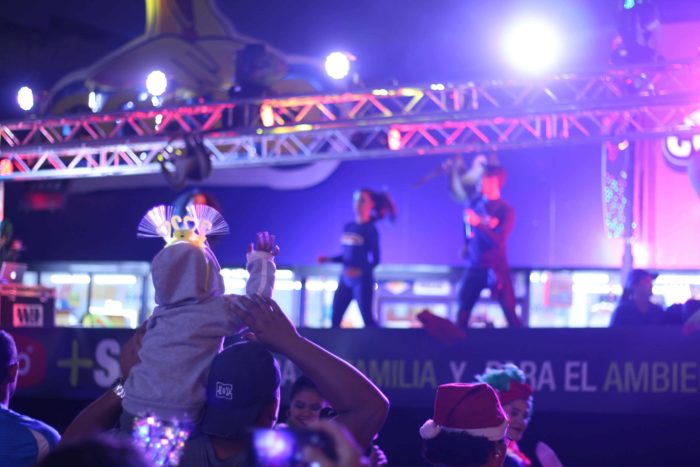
(193, 163)
(637, 22)
(156, 83)
(25, 98)
(338, 65)
(532, 45)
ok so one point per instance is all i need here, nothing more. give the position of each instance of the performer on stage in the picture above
(360, 255)
(488, 221)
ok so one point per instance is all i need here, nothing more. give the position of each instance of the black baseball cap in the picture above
(637, 275)
(243, 379)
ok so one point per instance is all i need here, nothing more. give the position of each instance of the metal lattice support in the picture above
(566, 109)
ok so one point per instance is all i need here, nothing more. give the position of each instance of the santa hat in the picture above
(467, 408)
(508, 381)
(515, 391)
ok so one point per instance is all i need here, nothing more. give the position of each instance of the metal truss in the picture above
(615, 104)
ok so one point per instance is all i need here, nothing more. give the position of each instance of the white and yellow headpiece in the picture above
(199, 222)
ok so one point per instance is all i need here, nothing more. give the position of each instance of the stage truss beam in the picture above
(613, 105)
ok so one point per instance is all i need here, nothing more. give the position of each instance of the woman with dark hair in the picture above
(468, 427)
(515, 396)
(307, 406)
(360, 255)
(305, 403)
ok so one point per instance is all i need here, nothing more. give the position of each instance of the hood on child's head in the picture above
(184, 273)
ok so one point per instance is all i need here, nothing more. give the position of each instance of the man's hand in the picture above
(323, 259)
(264, 241)
(130, 351)
(266, 320)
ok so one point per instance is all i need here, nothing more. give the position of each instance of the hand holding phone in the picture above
(286, 447)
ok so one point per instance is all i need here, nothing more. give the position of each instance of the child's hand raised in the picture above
(265, 241)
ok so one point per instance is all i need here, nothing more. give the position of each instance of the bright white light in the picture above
(267, 115)
(394, 139)
(115, 279)
(532, 45)
(25, 98)
(598, 289)
(590, 278)
(234, 273)
(284, 274)
(156, 83)
(677, 279)
(287, 285)
(641, 254)
(95, 101)
(60, 279)
(539, 277)
(315, 285)
(337, 65)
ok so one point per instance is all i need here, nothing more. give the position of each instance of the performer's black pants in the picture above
(361, 289)
(474, 280)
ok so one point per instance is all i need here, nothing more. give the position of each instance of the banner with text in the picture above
(655, 370)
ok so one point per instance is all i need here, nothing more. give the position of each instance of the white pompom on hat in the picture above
(468, 408)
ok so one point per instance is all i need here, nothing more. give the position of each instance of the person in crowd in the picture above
(468, 427)
(305, 403)
(488, 221)
(516, 399)
(515, 396)
(193, 315)
(243, 389)
(360, 255)
(307, 406)
(23, 440)
(635, 307)
(97, 452)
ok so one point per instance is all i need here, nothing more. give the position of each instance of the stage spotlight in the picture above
(194, 163)
(25, 98)
(532, 45)
(638, 23)
(267, 115)
(338, 64)
(156, 83)
(394, 139)
(96, 101)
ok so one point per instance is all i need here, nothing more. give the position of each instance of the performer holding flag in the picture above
(488, 222)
